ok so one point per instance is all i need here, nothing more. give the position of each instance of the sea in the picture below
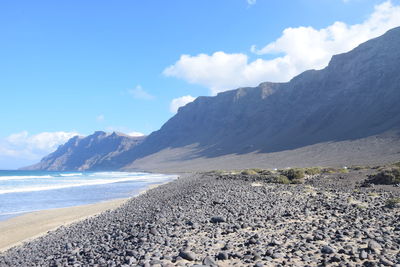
(27, 191)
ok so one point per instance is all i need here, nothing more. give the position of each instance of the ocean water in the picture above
(27, 191)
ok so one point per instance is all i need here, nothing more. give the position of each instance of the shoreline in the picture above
(233, 219)
(17, 230)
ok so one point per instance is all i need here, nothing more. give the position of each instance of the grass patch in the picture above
(280, 179)
(386, 176)
(256, 171)
(312, 171)
(249, 172)
(358, 167)
(397, 164)
(334, 170)
(294, 175)
(328, 170)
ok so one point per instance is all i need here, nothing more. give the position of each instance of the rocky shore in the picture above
(225, 219)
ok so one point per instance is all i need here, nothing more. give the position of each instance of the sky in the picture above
(74, 67)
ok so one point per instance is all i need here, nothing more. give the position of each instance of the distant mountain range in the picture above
(94, 152)
(354, 100)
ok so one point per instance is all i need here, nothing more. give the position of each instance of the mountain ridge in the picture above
(93, 152)
(354, 98)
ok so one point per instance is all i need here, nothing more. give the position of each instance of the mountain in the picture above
(355, 97)
(94, 152)
(346, 113)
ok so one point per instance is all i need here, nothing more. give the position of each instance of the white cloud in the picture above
(139, 93)
(100, 118)
(176, 103)
(123, 129)
(251, 2)
(302, 48)
(135, 134)
(222, 71)
(31, 148)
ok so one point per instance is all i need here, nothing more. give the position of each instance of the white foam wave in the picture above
(78, 183)
(6, 178)
(16, 212)
(70, 174)
(117, 174)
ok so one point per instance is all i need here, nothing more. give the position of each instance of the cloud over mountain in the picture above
(299, 49)
(176, 103)
(30, 148)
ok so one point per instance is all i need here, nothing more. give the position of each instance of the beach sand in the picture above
(20, 229)
(26, 227)
(225, 219)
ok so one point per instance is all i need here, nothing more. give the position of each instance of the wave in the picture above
(78, 183)
(16, 212)
(22, 177)
(70, 174)
(118, 174)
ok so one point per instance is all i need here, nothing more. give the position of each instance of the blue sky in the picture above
(78, 66)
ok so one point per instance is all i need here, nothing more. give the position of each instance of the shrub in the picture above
(312, 171)
(266, 172)
(393, 202)
(328, 170)
(216, 172)
(293, 174)
(397, 164)
(249, 172)
(334, 170)
(257, 170)
(276, 179)
(281, 179)
(358, 167)
(386, 176)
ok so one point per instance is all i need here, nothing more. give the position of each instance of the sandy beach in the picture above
(16, 230)
(215, 219)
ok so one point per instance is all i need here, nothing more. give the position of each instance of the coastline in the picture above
(17, 230)
(228, 219)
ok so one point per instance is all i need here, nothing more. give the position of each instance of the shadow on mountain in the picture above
(356, 96)
(352, 104)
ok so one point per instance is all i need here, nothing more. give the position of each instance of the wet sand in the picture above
(16, 230)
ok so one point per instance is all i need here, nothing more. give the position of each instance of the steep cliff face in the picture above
(94, 152)
(357, 95)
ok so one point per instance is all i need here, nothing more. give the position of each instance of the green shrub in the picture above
(358, 167)
(386, 176)
(266, 172)
(281, 179)
(328, 170)
(393, 202)
(249, 172)
(397, 164)
(312, 171)
(297, 181)
(257, 170)
(334, 170)
(343, 170)
(216, 172)
(293, 174)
